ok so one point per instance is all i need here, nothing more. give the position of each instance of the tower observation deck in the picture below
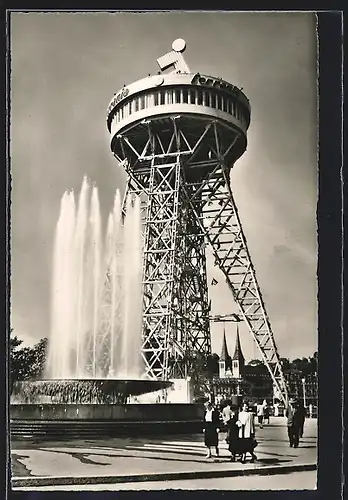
(178, 135)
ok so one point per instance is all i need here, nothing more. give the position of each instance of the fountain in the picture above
(94, 361)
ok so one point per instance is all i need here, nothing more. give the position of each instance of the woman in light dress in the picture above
(246, 435)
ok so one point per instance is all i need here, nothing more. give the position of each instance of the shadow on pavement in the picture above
(271, 461)
(163, 451)
(83, 457)
(17, 467)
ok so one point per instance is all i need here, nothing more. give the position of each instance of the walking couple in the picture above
(240, 431)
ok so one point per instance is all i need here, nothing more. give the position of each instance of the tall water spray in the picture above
(96, 301)
(132, 307)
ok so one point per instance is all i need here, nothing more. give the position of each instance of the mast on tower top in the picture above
(175, 58)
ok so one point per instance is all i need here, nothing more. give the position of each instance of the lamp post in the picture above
(304, 391)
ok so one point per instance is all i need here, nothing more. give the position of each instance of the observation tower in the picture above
(178, 135)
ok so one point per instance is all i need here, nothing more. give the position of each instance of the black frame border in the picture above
(330, 216)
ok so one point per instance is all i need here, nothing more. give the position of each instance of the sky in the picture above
(66, 67)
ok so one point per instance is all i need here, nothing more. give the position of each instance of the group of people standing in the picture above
(239, 428)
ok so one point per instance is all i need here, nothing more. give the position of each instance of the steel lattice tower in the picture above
(178, 135)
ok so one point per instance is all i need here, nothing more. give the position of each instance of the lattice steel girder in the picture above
(105, 342)
(175, 315)
(191, 290)
(158, 271)
(204, 189)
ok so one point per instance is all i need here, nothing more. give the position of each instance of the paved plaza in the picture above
(128, 460)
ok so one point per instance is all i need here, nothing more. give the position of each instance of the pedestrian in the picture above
(302, 417)
(218, 400)
(232, 438)
(260, 411)
(246, 434)
(226, 416)
(310, 410)
(266, 413)
(276, 409)
(293, 423)
(211, 428)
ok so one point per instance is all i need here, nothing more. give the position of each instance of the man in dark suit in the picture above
(293, 422)
(302, 417)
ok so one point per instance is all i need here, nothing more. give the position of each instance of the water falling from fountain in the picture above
(96, 291)
(96, 284)
(132, 266)
(62, 283)
(78, 290)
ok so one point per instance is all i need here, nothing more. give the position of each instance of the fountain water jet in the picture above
(96, 291)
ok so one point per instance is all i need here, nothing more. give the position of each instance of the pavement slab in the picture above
(293, 481)
(133, 459)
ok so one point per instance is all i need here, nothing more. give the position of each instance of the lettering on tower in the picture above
(118, 98)
(211, 82)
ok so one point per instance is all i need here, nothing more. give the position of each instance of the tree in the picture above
(313, 361)
(285, 362)
(255, 362)
(213, 364)
(304, 367)
(20, 361)
(39, 358)
(255, 368)
(26, 362)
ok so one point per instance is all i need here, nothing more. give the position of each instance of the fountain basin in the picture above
(82, 409)
(84, 391)
(103, 412)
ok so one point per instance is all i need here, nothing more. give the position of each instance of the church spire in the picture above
(238, 361)
(238, 355)
(225, 362)
(224, 352)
